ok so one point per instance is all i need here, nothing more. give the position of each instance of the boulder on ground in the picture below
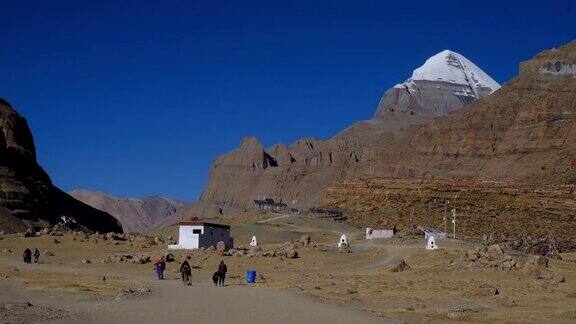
(344, 248)
(400, 266)
(558, 278)
(142, 259)
(86, 261)
(292, 254)
(472, 255)
(538, 260)
(169, 257)
(133, 292)
(495, 248)
(482, 249)
(143, 240)
(56, 241)
(29, 233)
(48, 253)
(221, 246)
(288, 246)
(462, 313)
(305, 240)
(484, 290)
(255, 249)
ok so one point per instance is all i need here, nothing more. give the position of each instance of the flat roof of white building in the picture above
(197, 223)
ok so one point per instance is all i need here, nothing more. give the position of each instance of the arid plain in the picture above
(79, 276)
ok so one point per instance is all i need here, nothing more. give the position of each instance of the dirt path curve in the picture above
(202, 303)
(172, 302)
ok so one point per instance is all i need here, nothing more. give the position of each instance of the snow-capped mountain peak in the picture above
(449, 66)
(445, 82)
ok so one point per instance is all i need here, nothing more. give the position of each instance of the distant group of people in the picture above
(27, 256)
(219, 277)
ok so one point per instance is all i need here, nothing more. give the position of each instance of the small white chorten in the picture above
(343, 240)
(431, 244)
(253, 242)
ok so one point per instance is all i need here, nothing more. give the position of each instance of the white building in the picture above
(434, 232)
(379, 232)
(195, 235)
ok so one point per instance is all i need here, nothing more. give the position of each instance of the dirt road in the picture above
(175, 303)
(172, 302)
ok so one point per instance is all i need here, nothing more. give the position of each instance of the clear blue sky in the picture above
(136, 98)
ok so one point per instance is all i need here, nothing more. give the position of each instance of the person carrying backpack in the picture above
(186, 272)
(36, 255)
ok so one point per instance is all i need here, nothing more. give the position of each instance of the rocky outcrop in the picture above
(27, 195)
(506, 163)
(521, 133)
(300, 173)
(136, 215)
(500, 212)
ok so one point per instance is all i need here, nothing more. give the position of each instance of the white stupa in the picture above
(431, 244)
(343, 240)
(253, 242)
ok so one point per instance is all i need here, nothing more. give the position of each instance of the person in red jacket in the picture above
(159, 267)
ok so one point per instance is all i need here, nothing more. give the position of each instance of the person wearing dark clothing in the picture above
(215, 278)
(222, 269)
(186, 272)
(27, 256)
(36, 255)
(159, 267)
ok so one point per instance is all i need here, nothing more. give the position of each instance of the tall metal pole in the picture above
(454, 221)
(445, 215)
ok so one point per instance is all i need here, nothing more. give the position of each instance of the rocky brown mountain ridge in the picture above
(499, 212)
(522, 133)
(27, 196)
(507, 163)
(300, 173)
(136, 215)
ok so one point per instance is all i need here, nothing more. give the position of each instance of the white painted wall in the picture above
(187, 239)
(207, 236)
(372, 233)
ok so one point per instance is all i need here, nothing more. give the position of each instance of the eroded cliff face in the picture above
(501, 211)
(292, 174)
(27, 195)
(521, 133)
(300, 173)
(507, 163)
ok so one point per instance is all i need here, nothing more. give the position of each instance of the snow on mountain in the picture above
(449, 66)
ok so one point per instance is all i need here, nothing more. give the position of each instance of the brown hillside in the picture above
(26, 192)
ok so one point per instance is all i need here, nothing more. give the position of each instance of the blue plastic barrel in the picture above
(250, 276)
